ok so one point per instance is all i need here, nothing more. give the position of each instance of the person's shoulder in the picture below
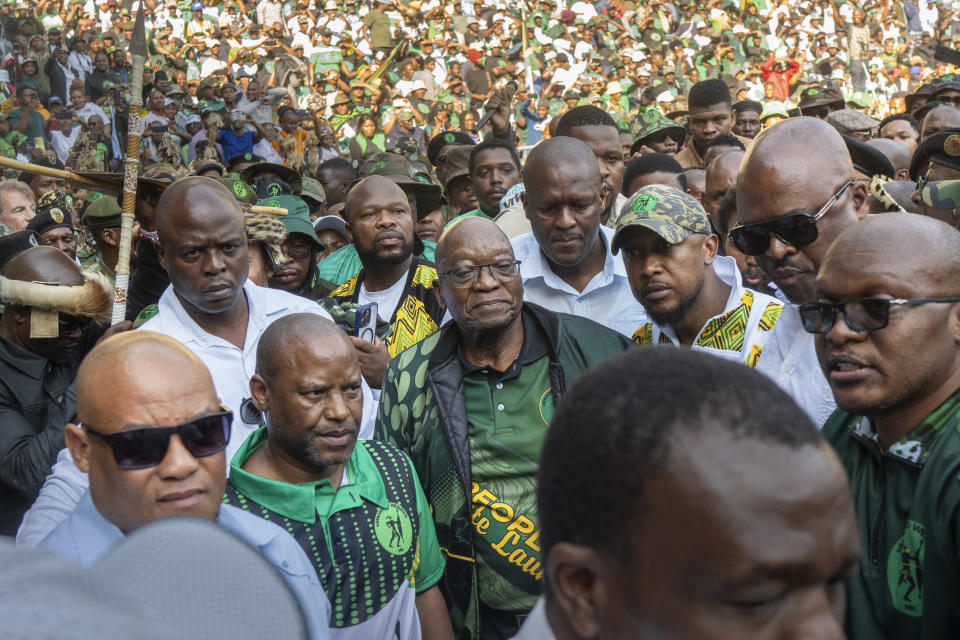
(275, 301)
(589, 332)
(837, 428)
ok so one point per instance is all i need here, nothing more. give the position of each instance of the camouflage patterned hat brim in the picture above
(669, 231)
(942, 195)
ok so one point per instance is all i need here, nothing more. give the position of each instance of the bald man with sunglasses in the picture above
(153, 447)
(793, 200)
(887, 325)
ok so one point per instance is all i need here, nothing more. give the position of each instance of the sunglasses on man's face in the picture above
(796, 229)
(147, 447)
(861, 315)
(68, 323)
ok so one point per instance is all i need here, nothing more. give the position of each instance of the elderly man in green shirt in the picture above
(887, 325)
(471, 405)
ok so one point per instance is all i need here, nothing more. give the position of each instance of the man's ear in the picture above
(710, 246)
(161, 255)
(523, 201)
(438, 293)
(78, 442)
(576, 589)
(111, 237)
(260, 393)
(861, 198)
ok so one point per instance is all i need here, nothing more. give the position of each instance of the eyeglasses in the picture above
(861, 315)
(466, 275)
(297, 250)
(796, 229)
(147, 447)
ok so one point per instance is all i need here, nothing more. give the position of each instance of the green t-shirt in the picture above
(475, 213)
(379, 25)
(342, 264)
(372, 541)
(506, 432)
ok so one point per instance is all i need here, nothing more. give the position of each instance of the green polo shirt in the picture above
(508, 414)
(907, 501)
(372, 541)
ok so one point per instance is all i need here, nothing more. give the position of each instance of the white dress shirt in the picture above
(606, 299)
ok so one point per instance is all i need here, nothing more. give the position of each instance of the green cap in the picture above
(240, 189)
(297, 219)
(104, 213)
(652, 122)
(670, 213)
(313, 190)
(944, 194)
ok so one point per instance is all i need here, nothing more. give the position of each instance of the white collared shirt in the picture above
(606, 299)
(232, 367)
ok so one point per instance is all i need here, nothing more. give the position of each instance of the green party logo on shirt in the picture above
(393, 529)
(905, 570)
(546, 406)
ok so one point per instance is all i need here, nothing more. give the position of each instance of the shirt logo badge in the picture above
(905, 570)
(393, 529)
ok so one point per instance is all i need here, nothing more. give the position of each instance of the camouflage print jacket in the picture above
(423, 412)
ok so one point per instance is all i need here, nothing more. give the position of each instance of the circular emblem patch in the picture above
(275, 189)
(239, 189)
(272, 203)
(393, 529)
(643, 203)
(905, 570)
(651, 116)
(32, 239)
(449, 137)
(57, 215)
(376, 166)
(813, 92)
(546, 406)
(951, 146)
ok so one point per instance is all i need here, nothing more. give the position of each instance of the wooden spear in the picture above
(138, 49)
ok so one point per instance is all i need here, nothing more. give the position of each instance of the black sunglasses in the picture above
(147, 447)
(861, 315)
(795, 229)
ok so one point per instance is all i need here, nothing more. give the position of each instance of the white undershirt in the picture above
(387, 300)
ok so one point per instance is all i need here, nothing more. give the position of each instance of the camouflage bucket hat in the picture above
(670, 213)
(652, 122)
(395, 167)
(944, 194)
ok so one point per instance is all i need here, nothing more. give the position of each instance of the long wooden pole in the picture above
(57, 173)
(131, 167)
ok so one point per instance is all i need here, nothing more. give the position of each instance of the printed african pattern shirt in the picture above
(907, 502)
(419, 313)
(372, 541)
(739, 333)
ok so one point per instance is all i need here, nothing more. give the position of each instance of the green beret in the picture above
(104, 213)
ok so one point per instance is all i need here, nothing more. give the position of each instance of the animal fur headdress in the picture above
(93, 299)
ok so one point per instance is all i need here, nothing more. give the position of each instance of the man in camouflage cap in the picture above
(102, 218)
(657, 133)
(937, 157)
(694, 296)
(940, 200)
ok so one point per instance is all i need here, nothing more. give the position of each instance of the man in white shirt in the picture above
(793, 200)
(565, 261)
(212, 308)
(696, 298)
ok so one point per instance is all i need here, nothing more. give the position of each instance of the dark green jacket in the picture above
(907, 501)
(423, 412)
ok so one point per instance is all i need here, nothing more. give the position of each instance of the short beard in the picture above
(677, 314)
(370, 256)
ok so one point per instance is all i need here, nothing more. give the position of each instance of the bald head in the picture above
(721, 177)
(379, 188)
(784, 152)
(467, 232)
(112, 375)
(196, 201)
(897, 153)
(909, 247)
(284, 335)
(560, 159)
(44, 264)
(939, 118)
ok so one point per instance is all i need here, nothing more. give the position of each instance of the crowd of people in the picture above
(405, 274)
